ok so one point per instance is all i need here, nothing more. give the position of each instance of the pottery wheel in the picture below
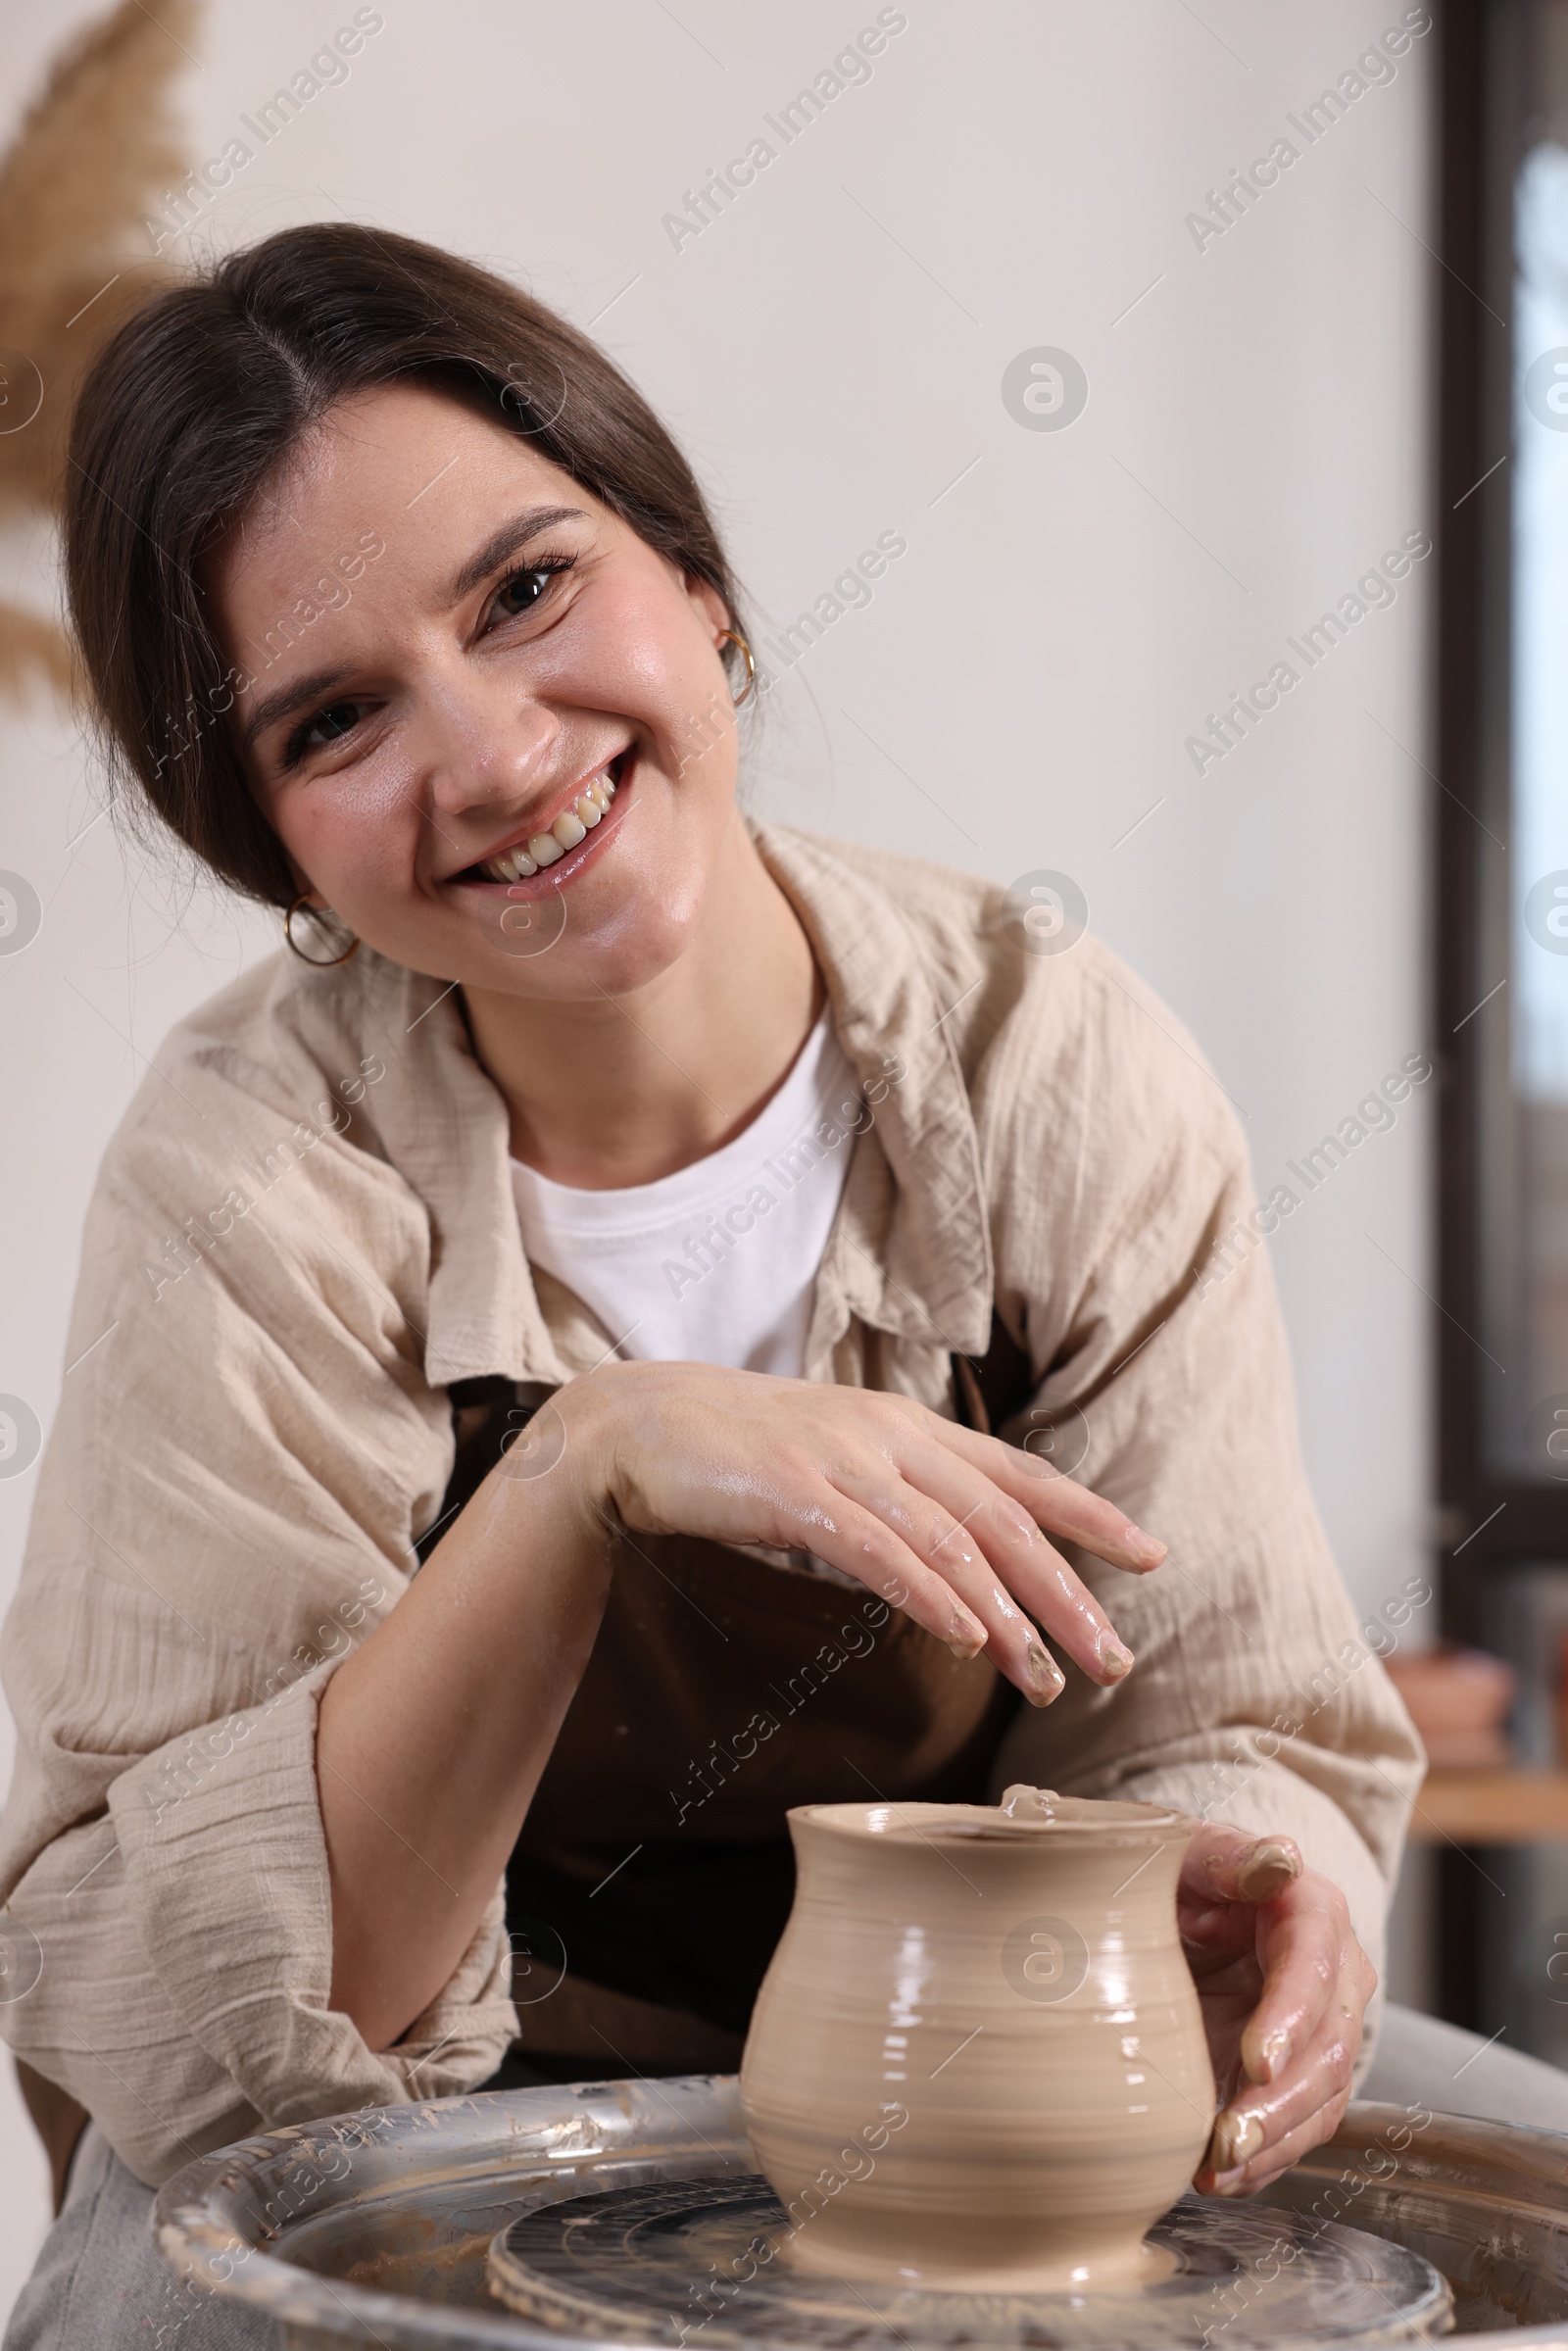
(643, 2265)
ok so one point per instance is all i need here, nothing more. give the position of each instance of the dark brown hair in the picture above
(206, 390)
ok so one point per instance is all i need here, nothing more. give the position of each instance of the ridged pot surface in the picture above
(978, 2058)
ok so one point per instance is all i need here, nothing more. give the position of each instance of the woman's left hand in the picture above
(1283, 1986)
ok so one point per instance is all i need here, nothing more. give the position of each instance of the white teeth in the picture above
(514, 867)
(573, 825)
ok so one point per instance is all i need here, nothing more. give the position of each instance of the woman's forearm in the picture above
(433, 1737)
(434, 1733)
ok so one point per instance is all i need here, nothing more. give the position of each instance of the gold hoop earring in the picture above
(321, 963)
(733, 636)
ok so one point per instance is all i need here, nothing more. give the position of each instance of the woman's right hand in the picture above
(949, 1525)
(450, 1708)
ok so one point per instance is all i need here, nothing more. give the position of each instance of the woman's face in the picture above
(489, 724)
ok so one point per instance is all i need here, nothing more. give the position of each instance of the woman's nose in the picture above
(487, 745)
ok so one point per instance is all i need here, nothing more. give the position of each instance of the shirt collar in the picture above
(910, 1253)
(913, 1245)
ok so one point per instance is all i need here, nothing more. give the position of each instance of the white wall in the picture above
(1018, 693)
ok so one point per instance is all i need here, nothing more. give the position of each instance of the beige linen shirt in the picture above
(303, 1230)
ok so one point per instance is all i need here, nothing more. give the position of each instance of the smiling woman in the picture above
(498, 1379)
(502, 700)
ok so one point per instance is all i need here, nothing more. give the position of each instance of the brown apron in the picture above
(653, 1874)
(655, 1861)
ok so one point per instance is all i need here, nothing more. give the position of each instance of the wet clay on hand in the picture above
(977, 2061)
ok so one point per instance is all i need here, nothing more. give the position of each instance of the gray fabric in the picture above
(101, 2284)
(1420, 2061)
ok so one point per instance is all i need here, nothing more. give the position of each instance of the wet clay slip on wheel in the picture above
(977, 2061)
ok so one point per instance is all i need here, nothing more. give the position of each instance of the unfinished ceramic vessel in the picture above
(977, 2061)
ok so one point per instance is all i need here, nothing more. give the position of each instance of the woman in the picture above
(634, 1222)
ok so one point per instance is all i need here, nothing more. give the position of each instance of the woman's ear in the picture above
(709, 605)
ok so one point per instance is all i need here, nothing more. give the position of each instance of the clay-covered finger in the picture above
(1273, 1864)
(1059, 1505)
(1062, 1603)
(1276, 2157)
(846, 1535)
(1030, 1571)
(1237, 1868)
(1262, 2117)
(1305, 1975)
(1248, 2150)
(948, 1543)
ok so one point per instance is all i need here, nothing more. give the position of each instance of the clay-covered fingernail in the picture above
(967, 1635)
(1114, 1660)
(1275, 2052)
(1043, 1673)
(1273, 1864)
(1237, 2138)
(1148, 1550)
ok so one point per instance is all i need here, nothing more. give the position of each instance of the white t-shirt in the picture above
(717, 1262)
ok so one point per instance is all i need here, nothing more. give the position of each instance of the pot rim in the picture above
(1109, 1822)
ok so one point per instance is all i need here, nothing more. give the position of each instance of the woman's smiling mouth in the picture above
(522, 859)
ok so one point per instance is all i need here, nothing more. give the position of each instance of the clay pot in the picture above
(977, 2061)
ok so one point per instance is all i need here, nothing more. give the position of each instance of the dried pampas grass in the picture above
(92, 153)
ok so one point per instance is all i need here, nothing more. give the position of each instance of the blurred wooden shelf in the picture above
(1496, 1807)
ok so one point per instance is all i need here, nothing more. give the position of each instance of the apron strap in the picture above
(986, 1395)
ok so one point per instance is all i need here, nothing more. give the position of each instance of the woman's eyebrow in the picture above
(506, 540)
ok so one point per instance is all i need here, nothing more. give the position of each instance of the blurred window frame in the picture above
(1493, 1518)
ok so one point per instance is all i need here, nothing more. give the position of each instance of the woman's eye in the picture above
(523, 591)
(338, 719)
(323, 728)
